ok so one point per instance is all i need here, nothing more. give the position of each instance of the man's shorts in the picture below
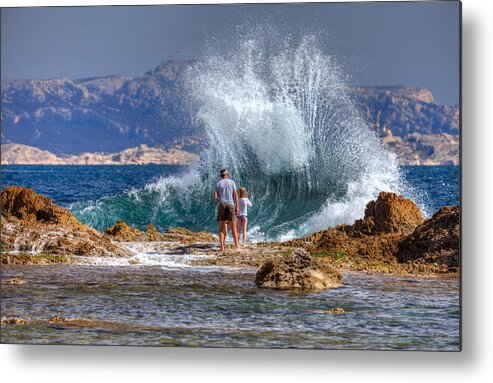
(226, 212)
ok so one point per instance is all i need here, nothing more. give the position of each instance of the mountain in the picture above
(97, 114)
(405, 110)
(112, 113)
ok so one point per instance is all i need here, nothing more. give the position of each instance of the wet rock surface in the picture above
(14, 321)
(298, 270)
(37, 231)
(121, 232)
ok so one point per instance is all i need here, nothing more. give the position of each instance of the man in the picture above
(225, 196)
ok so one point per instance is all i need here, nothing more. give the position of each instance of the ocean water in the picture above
(83, 187)
(221, 307)
(166, 302)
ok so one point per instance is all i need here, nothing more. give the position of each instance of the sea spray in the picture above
(284, 123)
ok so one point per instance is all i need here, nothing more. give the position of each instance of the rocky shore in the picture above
(392, 238)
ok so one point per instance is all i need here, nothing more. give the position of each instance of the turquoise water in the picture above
(101, 195)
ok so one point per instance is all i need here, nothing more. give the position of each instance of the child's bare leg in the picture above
(240, 225)
(244, 223)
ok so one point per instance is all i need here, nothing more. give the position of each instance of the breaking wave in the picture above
(283, 122)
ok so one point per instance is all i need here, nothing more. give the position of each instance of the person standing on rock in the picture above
(226, 197)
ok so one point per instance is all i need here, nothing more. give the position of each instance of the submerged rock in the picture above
(298, 270)
(57, 319)
(436, 241)
(14, 321)
(335, 310)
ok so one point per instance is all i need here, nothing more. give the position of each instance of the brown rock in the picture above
(15, 281)
(120, 231)
(180, 234)
(26, 205)
(15, 321)
(390, 213)
(298, 270)
(392, 238)
(335, 310)
(57, 319)
(436, 241)
(33, 223)
(387, 220)
(123, 233)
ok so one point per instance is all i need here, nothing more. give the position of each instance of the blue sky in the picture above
(382, 43)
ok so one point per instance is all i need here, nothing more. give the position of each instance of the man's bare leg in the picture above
(232, 226)
(222, 234)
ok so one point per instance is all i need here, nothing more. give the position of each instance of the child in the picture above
(243, 203)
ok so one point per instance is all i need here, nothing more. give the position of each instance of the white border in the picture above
(473, 364)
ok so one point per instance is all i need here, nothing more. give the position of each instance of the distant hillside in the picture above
(113, 113)
(406, 110)
(98, 114)
(15, 154)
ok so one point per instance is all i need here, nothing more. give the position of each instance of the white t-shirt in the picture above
(244, 203)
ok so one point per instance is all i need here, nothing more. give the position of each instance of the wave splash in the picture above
(284, 124)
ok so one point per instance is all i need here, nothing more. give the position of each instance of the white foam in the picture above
(147, 254)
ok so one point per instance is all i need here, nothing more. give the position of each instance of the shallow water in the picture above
(221, 307)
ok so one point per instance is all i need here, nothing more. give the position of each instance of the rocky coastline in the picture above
(16, 154)
(392, 238)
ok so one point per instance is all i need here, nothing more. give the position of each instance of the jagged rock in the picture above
(120, 231)
(437, 240)
(376, 236)
(392, 238)
(123, 233)
(390, 213)
(26, 205)
(298, 270)
(33, 223)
